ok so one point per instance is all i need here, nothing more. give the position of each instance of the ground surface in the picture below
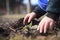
(14, 18)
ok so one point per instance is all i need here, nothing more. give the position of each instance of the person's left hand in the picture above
(45, 24)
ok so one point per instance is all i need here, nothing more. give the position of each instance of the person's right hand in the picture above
(29, 17)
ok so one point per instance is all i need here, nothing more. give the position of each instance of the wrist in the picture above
(53, 16)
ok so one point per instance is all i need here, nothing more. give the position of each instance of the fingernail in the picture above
(40, 31)
(44, 31)
(37, 28)
(28, 21)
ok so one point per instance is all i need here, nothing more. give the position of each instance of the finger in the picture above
(38, 27)
(46, 26)
(41, 25)
(25, 19)
(30, 18)
(51, 25)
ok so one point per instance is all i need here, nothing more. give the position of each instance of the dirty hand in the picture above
(45, 24)
(29, 17)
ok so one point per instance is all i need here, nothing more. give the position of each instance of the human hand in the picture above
(29, 17)
(45, 24)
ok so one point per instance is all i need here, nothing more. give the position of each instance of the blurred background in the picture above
(17, 6)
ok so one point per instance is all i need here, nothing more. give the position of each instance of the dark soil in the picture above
(17, 27)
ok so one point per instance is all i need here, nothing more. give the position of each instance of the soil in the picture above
(15, 29)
